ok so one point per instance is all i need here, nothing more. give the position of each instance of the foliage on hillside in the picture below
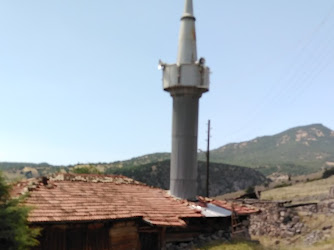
(135, 161)
(21, 165)
(16, 170)
(223, 178)
(14, 230)
(85, 170)
(327, 173)
(299, 150)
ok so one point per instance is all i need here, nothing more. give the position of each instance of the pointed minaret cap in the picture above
(188, 8)
(187, 52)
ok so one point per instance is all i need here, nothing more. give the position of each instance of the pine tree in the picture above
(14, 230)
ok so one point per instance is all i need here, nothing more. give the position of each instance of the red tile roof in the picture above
(238, 208)
(70, 198)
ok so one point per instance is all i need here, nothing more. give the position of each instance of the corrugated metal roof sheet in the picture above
(211, 210)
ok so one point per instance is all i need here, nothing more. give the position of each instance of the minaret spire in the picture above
(187, 39)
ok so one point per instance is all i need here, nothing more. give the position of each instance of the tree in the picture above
(86, 170)
(250, 190)
(14, 230)
(328, 173)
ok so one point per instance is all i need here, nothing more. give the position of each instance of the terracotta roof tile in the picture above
(240, 209)
(95, 197)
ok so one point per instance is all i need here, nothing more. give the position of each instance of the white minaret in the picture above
(185, 81)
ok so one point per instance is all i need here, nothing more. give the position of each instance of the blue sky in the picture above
(79, 79)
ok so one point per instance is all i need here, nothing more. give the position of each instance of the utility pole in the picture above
(208, 161)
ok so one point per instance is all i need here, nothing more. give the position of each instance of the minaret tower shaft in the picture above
(185, 81)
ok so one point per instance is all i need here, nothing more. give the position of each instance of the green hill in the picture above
(136, 161)
(223, 178)
(299, 150)
(296, 151)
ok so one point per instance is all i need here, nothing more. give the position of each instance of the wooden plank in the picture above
(123, 232)
(124, 224)
(95, 226)
(163, 238)
(302, 204)
(124, 235)
(125, 246)
(236, 224)
(238, 231)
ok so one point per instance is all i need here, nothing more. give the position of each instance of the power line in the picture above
(298, 77)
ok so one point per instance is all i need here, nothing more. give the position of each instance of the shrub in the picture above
(250, 190)
(85, 170)
(14, 230)
(328, 173)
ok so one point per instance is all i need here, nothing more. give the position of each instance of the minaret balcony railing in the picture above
(185, 75)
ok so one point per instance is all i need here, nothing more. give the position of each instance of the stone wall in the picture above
(325, 207)
(275, 220)
(279, 221)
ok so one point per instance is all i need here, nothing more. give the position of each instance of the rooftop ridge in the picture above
(117, 179)
(25, 186)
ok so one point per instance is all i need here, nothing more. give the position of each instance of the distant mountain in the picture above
(296, 151)
(223, 178)
(299, 150)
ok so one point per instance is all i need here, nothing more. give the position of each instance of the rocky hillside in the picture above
(299, 150)
(223, 178)
(296, 151)
(22, 170)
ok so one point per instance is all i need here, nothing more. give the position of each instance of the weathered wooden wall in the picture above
(124, 236)
(79, 236)
(101, 236)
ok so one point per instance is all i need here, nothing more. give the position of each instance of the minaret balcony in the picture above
(193, 75)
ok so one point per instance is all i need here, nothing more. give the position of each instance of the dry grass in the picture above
(317, 222)
(270, 243)
(326, 245)
(309, 191)
(230, 195)
(235, 245)
(303, 178)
